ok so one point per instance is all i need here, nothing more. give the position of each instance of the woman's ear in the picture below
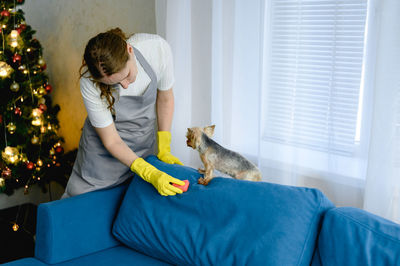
(129, 48)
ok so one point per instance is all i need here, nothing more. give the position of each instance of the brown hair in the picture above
(105, 53)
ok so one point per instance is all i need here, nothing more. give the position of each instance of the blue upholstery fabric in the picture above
(76, 226)
(351, 236)
(25, 262)
(118, 256)
(228, 222)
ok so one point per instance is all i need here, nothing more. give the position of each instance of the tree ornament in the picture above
(43, 107)
(6, 173)
(22, 27)
(14, 87)
(14, 39)
(30, 165)
(18, 111)
(48, 88)
(15, 227)
(52, 151)
(39, 162)
(42, 101)
(35, 140)
(5, 13)
(37, 117)
(41, 62)
(41, 91)
(59, 149)
(10, 155)
(11, 127)
(17, 58)
(5, 69)
(2, 183)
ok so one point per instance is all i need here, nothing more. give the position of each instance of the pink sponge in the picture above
(185, 187)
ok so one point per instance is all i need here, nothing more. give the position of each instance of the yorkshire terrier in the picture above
(214, 156)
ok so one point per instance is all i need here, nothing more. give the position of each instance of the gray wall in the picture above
(63, 28)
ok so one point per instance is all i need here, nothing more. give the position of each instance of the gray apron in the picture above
(135, 120)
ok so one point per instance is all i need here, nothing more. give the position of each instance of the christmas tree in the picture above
(32, 151)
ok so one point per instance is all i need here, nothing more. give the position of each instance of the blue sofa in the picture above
(228, 222)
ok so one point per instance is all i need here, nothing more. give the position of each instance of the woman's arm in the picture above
(165, 109)
(115, 145)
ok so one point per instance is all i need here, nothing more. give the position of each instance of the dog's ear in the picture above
(209, 131)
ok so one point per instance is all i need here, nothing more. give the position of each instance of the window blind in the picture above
(315, 59)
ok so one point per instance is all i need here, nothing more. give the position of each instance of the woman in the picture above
(126, 86)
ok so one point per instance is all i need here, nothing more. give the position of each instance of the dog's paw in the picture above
(203, 181)
(201, 171)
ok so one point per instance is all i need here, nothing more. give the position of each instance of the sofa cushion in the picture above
(228, 222)
(351, 236)
(119, 256)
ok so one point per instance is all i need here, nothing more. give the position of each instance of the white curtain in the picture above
(382, 192)
(342, 132)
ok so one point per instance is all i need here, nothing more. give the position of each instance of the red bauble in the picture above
(48, 88)
(43, 67)
(43, 107)
(1, 119)
(19, 30)
(18, 111)
(5, 13)
(30, 165)
(59, 149)
(22, 27)
(16, 57)
(6, 173)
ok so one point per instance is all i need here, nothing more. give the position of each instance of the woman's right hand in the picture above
(160, 180)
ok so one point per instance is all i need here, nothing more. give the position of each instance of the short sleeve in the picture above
(98, 113)
(167, 79)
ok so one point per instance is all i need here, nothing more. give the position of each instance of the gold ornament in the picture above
(39, 162)
(15, 227)
(5, 69)
(23, 158)
(41, 62)
(14, 87)
(37, 117)
(52, 151)
(10, 155)
(11, 128)
(42, 101)
(2, 182)
(35, 140)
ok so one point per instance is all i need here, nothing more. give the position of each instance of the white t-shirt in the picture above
(158, 54)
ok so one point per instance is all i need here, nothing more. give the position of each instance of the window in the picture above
(313, 89)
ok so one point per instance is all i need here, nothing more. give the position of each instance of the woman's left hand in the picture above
(164, 150)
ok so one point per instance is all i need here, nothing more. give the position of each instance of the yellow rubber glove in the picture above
(160, 180)
(164, 150)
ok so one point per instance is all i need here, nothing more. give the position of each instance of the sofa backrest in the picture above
(228, 222)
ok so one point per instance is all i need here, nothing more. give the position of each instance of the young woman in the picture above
(126, 86)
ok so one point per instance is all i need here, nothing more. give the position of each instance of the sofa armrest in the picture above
(77, 226)
(351, 236)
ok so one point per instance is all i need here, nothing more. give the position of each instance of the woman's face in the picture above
(125, 76)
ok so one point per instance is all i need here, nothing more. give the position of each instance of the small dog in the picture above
(214, 156)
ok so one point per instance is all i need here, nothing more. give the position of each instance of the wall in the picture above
(63, 29)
